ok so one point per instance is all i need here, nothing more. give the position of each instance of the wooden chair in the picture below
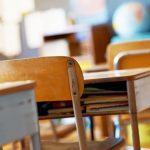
(128, 55)
(18, 114)
(123, 56)
(132, 59)
(57, 79)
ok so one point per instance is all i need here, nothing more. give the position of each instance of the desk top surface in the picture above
(71, 29)
(117, 75)
(12, 87)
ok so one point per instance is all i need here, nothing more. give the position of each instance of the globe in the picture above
(130, 18)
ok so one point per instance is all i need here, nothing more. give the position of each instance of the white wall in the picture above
(11, 13)
(47, 4)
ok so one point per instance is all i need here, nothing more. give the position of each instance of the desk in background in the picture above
(18, 116)
(97, 41)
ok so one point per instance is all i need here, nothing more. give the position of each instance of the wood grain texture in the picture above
(133, 115)
(134, 60)
(135, 131)
(142, 93)
(100, 38)
(107, 144)
(114, 49)
(49, 73)
(77, 106)
(117, 75)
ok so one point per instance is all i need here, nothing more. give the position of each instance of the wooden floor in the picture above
(131, 148)
(46, 129)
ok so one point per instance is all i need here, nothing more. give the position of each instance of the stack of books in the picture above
(96, 99)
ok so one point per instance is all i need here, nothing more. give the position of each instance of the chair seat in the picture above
(108, 144)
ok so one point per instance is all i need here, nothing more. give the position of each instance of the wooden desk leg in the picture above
(23, 144)
(135, 131)
(133, 115)
(54, 130)
(106, 126)
(92, 127)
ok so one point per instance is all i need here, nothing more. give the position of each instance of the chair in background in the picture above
(18, 114)
(130, 55)
(134, 55)
(125, 55)
(57, 79)
(132, 59)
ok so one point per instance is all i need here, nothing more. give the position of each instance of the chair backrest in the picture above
(18, 115)
(49, 73)
(130, 60)
(57, 79)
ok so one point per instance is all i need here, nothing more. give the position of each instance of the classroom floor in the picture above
(47, 134)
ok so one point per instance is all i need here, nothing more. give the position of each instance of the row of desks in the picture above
(111, 83)
(115, 89)
(135, 85)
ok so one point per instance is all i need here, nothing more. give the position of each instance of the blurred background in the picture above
(70, 27)
(78, 28)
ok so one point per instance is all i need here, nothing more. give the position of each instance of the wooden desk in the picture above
(127, 91)
(80, 49)
(66, 33)
(69, 34)
(98, 38)
(137, 83)
(121, 81)
(17, 112)
(97, 68)
(132, 85)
